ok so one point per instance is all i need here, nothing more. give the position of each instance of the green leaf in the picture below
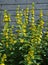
(0, 44)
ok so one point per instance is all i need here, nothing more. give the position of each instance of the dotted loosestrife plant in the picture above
(25, 43)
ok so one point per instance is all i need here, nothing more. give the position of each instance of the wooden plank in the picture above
(13, 7)
(22, 1)
(37, 1)
(12, 1)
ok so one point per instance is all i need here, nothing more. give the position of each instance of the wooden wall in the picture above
(11, 5)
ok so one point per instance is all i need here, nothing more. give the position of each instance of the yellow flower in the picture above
(41, 13)
(24, 30)
(24, 26)
(7, 30)
(41, 33)
(4, 33)
(6, 17)
(26, 10)
(25, 34)
(33, 20)
(38, 39)
(21, 40)
(7, 36)
(31, 53)
(2, 64)
(32, 56)
(11, 34)
(4, 56)
(9, 19)
(29, 62)
(21, 13)
(32, 11)
(5, 20)
(28, 58)
(18, 14)
(19, 22)
(11, 40)
(15, 41)
(32, 40)
(42, 22)
(26, 17)
(7, 44)
(40, 36)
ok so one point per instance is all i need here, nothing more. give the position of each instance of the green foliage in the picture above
(29, 45)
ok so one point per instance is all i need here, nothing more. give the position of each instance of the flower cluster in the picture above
(27, 42)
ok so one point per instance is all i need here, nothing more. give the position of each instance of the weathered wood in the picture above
(11, 5)
(22, 1)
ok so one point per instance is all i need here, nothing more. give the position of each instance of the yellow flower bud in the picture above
(15, 41)
(28, 58)
(32, 40)
(25, 34)
(7, 37)
(24, 26)
(6, 17)
(21, 40)
(18, 14)
(41, 22)
(19, 22)
(33, 21)
(32, 56)
(6, 34)
(2, 64)
(27, 10)
(7, 44)
(11, 34)
(32, 11)
(24, 30)
(26, 17)
(41, 13)
(29, 62)
(7, 30)
(11, 40)
(4, 56)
